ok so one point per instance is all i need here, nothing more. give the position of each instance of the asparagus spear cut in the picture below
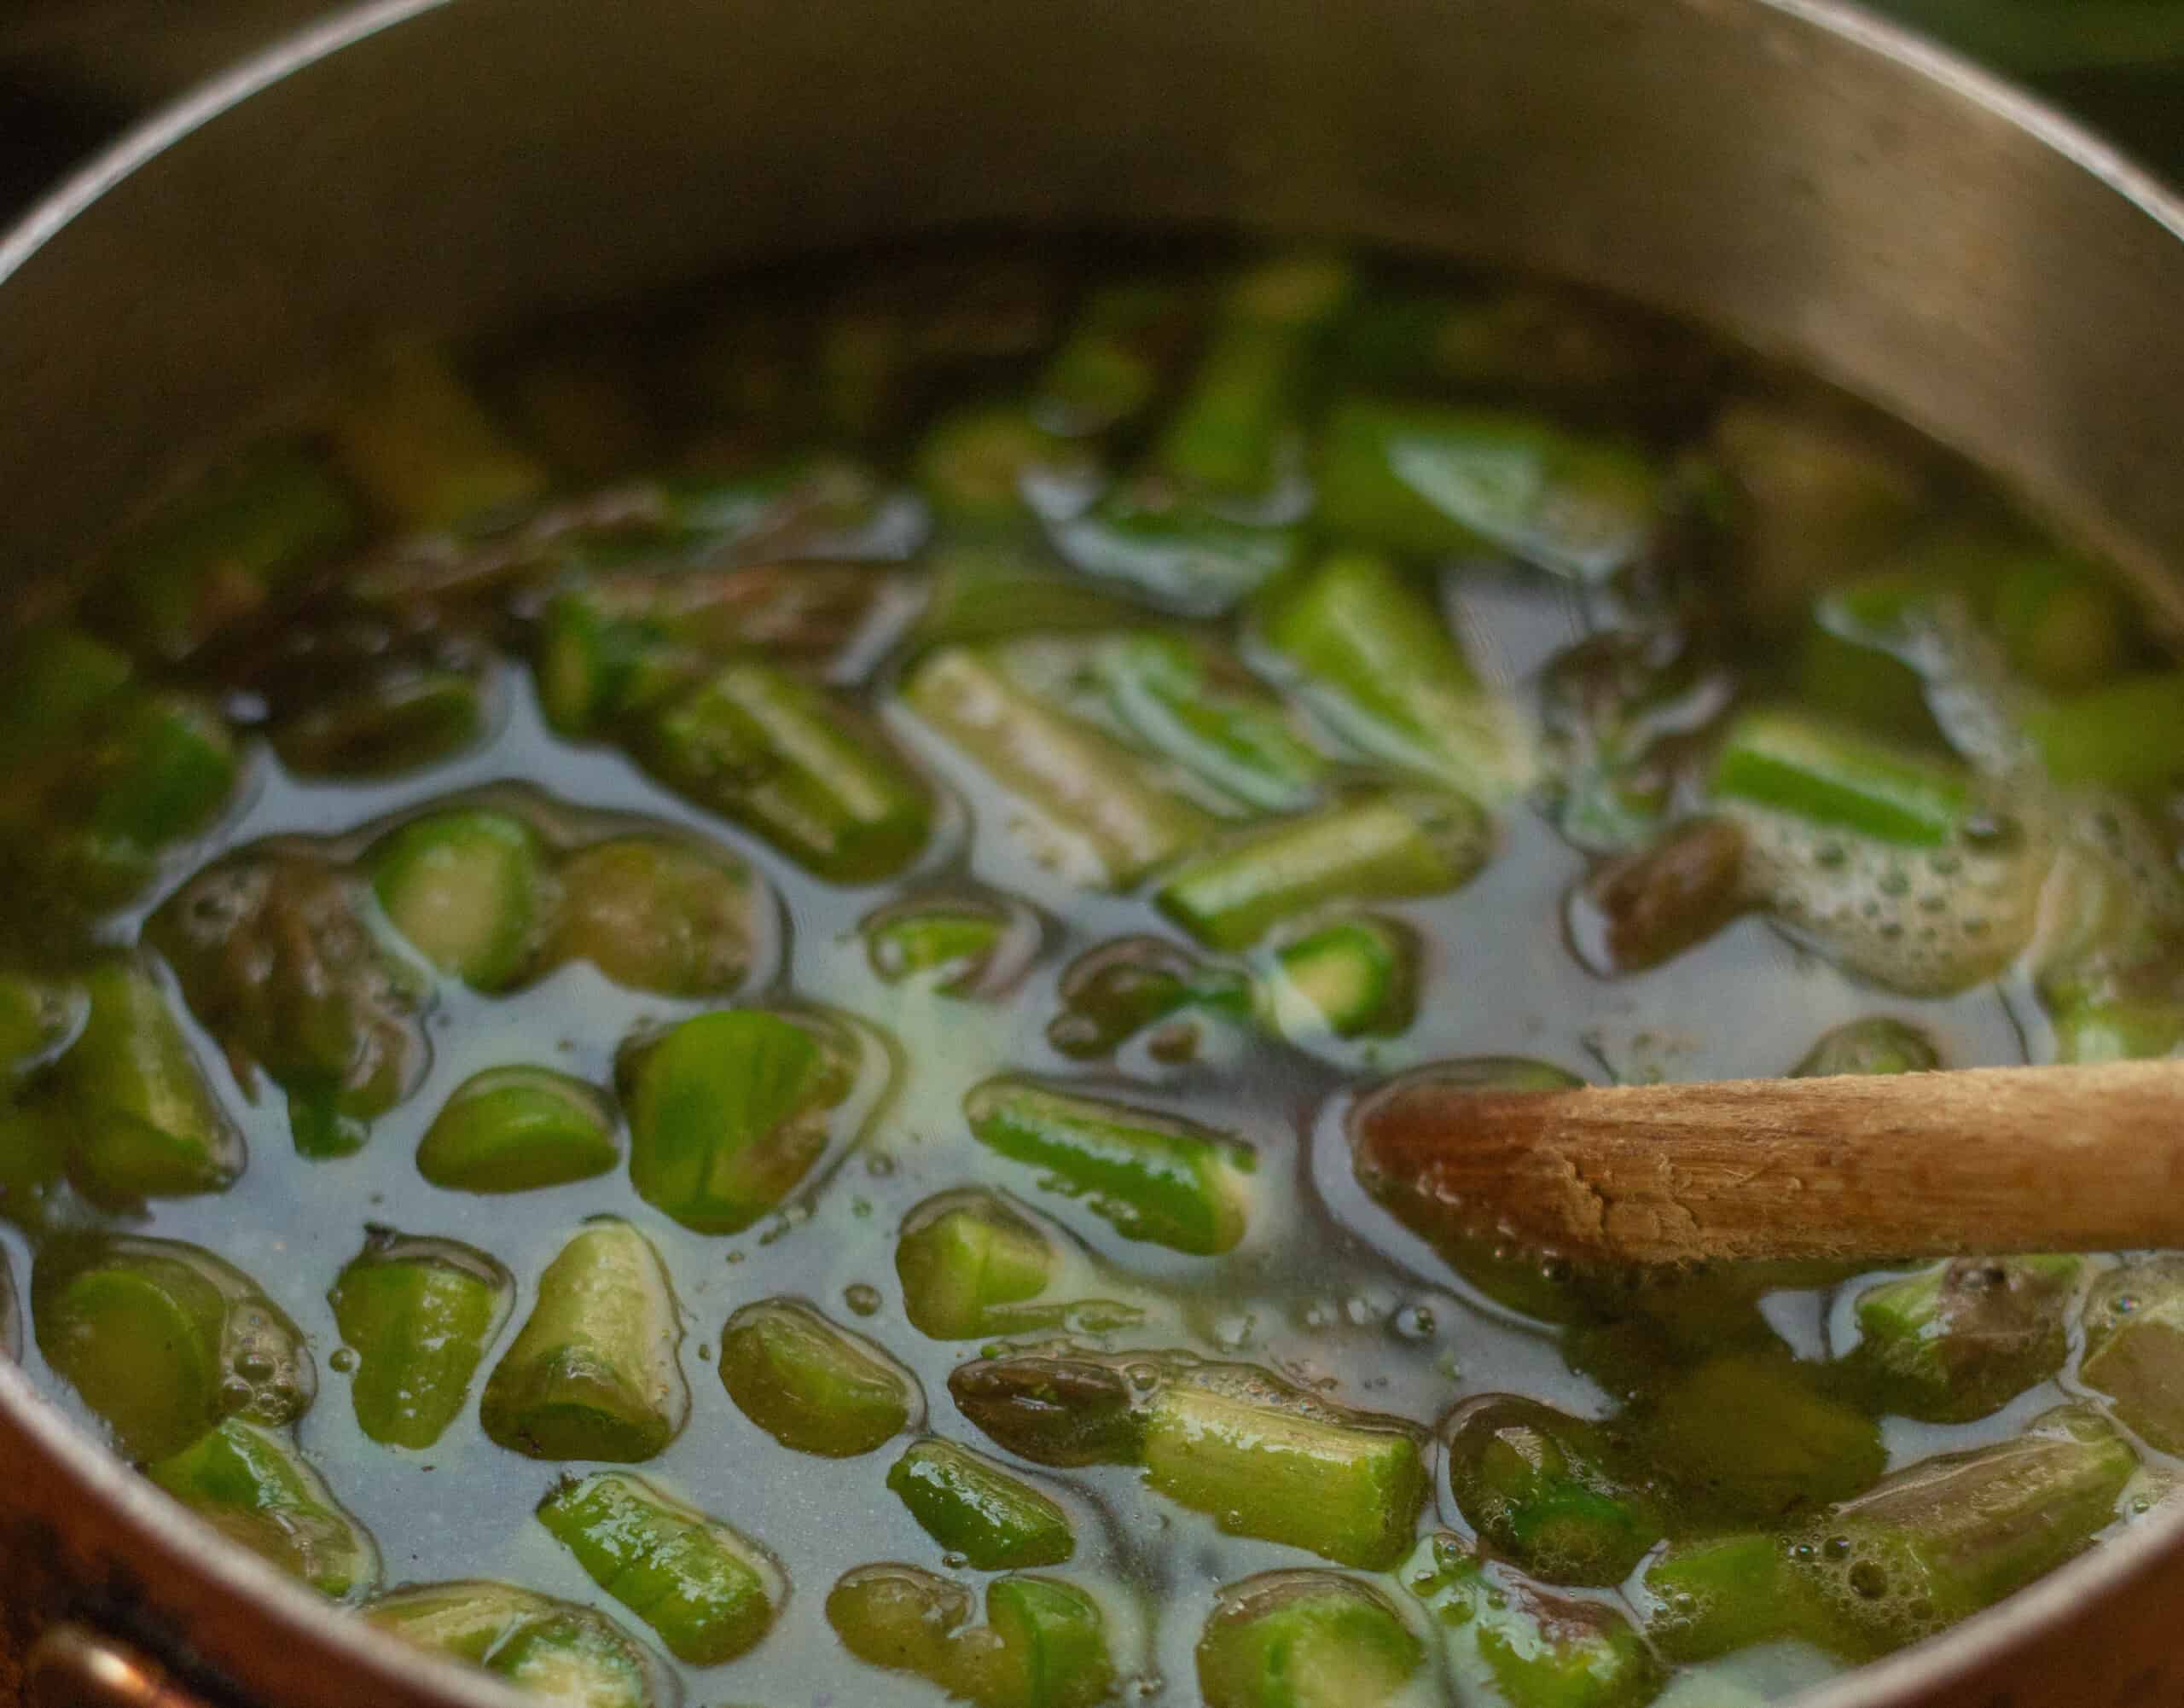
(971, 1506)
(658, 916)
(254, 1488)
(465, 887)
(420, 1314)
(811, 1386)
(566, 1654)
(1303, 1640)
(1540, 1486)
(517, 1129)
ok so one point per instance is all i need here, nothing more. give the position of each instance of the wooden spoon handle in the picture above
(1986, 1160)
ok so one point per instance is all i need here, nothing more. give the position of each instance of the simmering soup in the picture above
(682, 998)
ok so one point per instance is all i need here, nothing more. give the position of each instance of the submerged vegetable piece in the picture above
(254, 1488)
(516, 1129)
(1355, 977)
(975, 464)
(1111, 364)
(1876, 1045)
(1786, 762)
(657, 915)
(411, 434)
(1713, 1594)
(1203, 712)
(465, 887)
(1540, 1486)
(970, 1266)
(2135, 1348)
(1654, 905)
(1386, 846)
(1303, 1640)
(1058, 1409)
(164, 1340)
(555, 1650)
(972, 1507)
(811, 1386)
(962, 942)
(1144, 985)
(1155, 1176)
(2128, 735)
(1371, 644)
(708, 1591)
(730, 1112)
(1043, 1645)
(1153, 536)
(1509, 1642)
(1432, 481)
(797, 766)
(1962, 1340)
(594, 1373)
(419, 1315)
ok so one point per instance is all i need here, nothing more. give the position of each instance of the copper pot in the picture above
(1788, 171)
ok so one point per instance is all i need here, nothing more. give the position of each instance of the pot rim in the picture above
(177, 1536)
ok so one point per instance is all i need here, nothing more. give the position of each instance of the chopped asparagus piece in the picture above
(2135, 1348)
(1303, 1640)
(420, 1314)
(1155, 1176)
(797, 767)
(409, 432)
(594, 1373)
(2117, 1031)
(1657, 902)
(164, 1340)
(1707, 1597)
(708, 1592)
(1094, 790)
(1786, 761)
(655, 914)
(1385, 845)
(1356, 977)
(1063, 1411)
(1509, 1642)
(969, 1265)
(394, 721)
(255, 1488)
(1288, 1473)
(1110, 365)
(1111, 993)
(811, 1386)
(1054, 1636)
(1189, 556)
(466, 888)
(2128, 735)
(1217, 724)
(988, 591)
(975, 464)
(517, 1129)
(972, 1507)
(566, 1654)
(1540, 1486)
(1370, 642)
(1430, 480)
(35, 1137)
(1043, 1644)
(1960, 1341)
(598, 662)
(963, 943)
(51, 678)
(1877, 1044)
(730, 1111)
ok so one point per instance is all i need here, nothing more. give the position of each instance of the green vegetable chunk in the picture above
(1294, 1473)
(811, 1386)
(1385, 845)
(970, 1266)
(1058, 1410)
(1787, 762)
(1540, 1486)
(1155, 1177)
(1508, 1641)
(254, 1488)
(1656, 903)
(466, 888)
(1110, 366)
(515, 1129)
(1187, 555)
(1714, 1594)
(1144, 985)
(410, 433)
(1043, 1645)
(1303, 1640)
(594, 1373)
(973, 463)
(2128, 735)
(1353, 978)
(730, 1112)
(420, 1314)
(972, 1507)
(1413, 478)
(1877, 1044)
(165, 1341)
(1960, 1341)
(2135, 1348)
(654, 915)
(961, 943)
(708, 1592)
(393, 722)
(1370, 643)
(555, 1650)
(1203, 712)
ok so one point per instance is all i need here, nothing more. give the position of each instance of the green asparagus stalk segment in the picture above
(597, 665)
(730, 1112)
(1054, 1641)
(555, 1650)
(2135, 1348)
(956, 942)
(1111, 364)
(36, 1136)
(2117, 1031)
(1356, 977)
(1156, 539)
(1094, 791)
(1043, 1644)
(1371, 644)
(1239, 408)
(1155, 1177)
(2128, 735)
(819, 508)
(594, 1373)
(1960, 1341)
(986, 590)
(516, 1129)
(1877, 1044)
(1388, 844)
(1113, 992)
(218, 553)
(970, 1265)
(420, 1314)
(1349, 1491)
(1303, 1640)
(1655, 904)
(975, 464)
(164, 1340)
(466, 888)
(1509, 1642)
(1219, 724)
(410, 433)
(708, 1591)
(51, 678)
(393, 722)
(811, 1386)
(1541, 1488)
(1063, 1411)
(1785, 762)
(972, 1507)
(1707, 1597)
(657, 915)
(795, 765)
(254, 1488)
(147, 1123)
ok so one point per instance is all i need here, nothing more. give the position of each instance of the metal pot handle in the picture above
(72, 1666)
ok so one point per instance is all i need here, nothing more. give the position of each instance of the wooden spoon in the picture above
(1864, 1167)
